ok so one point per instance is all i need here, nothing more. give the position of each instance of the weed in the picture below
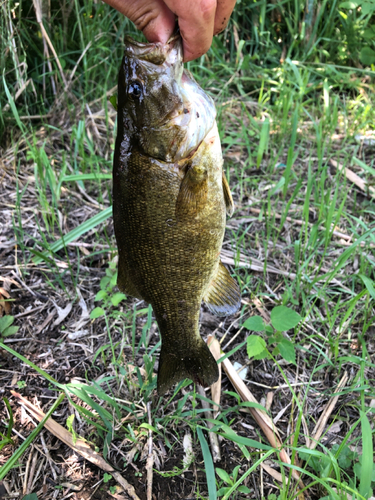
(229, 480)
(106, 478)
(6, 327)
(282, 319)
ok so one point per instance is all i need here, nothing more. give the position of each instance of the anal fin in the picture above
(228, 197)
(223, 296)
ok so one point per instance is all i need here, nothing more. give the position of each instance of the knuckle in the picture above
(208, 8)
(144, 17)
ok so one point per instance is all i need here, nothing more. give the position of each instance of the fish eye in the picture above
(135, 89)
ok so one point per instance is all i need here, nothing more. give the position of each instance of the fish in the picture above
(170, 200)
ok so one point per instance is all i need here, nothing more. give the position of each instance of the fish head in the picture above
(164, 111)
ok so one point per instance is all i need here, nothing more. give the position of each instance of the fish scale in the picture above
(170, 212)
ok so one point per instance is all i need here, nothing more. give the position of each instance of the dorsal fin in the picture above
(223, 296)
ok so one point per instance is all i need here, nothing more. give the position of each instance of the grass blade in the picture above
(14, 458)
(367, 457)
(13, 107)
(263, 142)
(76, 233)
(86, 177)
(249, 471)
(32, 365)
(209, 466)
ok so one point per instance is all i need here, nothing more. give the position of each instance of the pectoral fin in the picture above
(193, 192)
(223, 297)
(228, 197)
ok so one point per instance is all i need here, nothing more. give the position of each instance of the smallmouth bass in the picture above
(170, 199)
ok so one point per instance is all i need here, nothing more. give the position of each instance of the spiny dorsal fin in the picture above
(228, 197)
(193, 192)
(223, 296)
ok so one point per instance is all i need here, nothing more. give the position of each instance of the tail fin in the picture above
(197, 363)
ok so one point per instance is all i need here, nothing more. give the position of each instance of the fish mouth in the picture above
(156, 53)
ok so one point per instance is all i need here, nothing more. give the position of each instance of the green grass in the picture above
(280, 125)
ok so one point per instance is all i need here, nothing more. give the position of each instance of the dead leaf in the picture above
(71, 486)
(5, 304)
(62, 313)
(117, 493)
(5, 296)
(354, 178)
(85, 315)
(45, 323)
(78, 334)
(272, 472)
(335, 427)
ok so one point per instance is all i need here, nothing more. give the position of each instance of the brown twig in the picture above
(41, 465)
(25, 477)
(32, 472)
(48, 456)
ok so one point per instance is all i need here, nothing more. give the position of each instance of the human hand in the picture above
(198, 20)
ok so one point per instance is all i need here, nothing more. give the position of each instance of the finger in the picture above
(223, 11)
(196, 22)
(154, 18)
